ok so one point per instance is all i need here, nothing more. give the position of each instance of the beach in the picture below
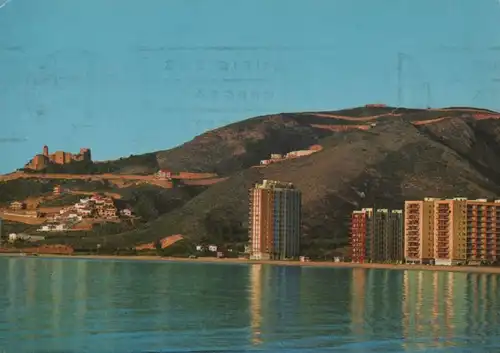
(468, 269)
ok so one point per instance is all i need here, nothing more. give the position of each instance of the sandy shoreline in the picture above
(468, 269)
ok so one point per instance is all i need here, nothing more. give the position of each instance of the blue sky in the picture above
(127, 77)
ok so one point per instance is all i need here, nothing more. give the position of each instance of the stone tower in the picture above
(86, 154)
(46, 151)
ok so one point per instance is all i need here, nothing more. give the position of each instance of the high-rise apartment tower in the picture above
(274, 220)
(452, 231)
(483, 230)
(419, 231)
(377, 235)
(361, 234)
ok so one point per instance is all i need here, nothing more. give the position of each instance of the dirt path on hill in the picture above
(186, 177)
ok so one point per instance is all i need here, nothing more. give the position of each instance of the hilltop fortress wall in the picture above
(41, 161)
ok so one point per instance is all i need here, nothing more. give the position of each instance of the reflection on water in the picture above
(118, 306)
(274, 299)
(358, 290)
(441, 310)
(374, 296)
(431, 303)
(256, 302)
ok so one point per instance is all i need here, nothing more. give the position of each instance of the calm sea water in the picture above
(68, 305)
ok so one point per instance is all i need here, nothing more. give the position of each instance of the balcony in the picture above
(443, 256)
(413, 205)
(412, 232)
(411, 235)
(442, 237)
(442, 246)
(413, 212)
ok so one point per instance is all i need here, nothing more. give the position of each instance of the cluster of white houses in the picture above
(96, 206)
(277, 157)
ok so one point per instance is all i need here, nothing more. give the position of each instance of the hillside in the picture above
(371, 156)
(406, 154)
(147, 203)
(240, 145)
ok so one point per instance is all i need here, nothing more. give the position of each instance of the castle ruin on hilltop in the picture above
(42, 161)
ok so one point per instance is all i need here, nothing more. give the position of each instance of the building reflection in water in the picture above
(482, 314)
(434, 309)
(274, 299)
(81, 294)
(358, 290)
(12, 284)
(438, 309)
(456, 304)
(30, 280)
(373, 297)
(56, 289)
(256, 303)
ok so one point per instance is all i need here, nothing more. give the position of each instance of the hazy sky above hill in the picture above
(125, 76)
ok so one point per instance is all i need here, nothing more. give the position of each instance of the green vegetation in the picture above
(72, 168)
(14, 227)
(21, 189)
(148, 201)
(63, 200)
(182, 248)
(108, 228)
(87, 185)
(140, 164)
(223, 227)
